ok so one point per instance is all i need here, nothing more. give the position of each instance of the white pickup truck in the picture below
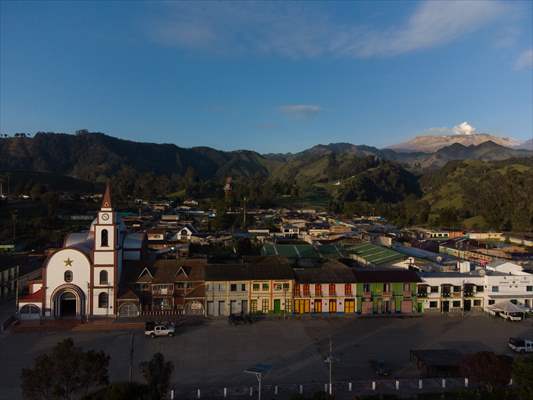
(520, 345)
(154, 330)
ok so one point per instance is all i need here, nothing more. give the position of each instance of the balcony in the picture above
(422, 295)
(446, 294)
(388, 293)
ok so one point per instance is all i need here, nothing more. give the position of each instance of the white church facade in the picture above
(81, 280)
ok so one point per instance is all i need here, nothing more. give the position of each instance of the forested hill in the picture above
(91, 156)
(96, 156)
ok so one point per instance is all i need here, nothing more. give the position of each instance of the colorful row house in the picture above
(386, 291)
(263, 286)
(328, 289)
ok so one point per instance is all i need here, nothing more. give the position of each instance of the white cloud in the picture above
(307, 29)
(464, 128)
(524, 60)
(300, 110)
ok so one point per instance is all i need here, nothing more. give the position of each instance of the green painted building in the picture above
(390, 291)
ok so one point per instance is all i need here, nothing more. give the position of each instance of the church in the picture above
(81, 280)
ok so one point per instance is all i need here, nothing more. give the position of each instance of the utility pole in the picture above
(131, 358)
(330, 360)
(244, 215)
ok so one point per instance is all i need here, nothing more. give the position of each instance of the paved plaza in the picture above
(214, 353)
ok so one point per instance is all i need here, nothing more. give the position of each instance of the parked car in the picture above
(520, 345)
(380, 368)
(152, 329)
(513, 316)
(237, 319)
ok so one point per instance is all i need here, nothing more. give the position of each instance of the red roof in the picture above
(34, 297)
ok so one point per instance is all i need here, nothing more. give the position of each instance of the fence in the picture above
(345, 389)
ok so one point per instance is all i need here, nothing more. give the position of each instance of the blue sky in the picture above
(272, 77)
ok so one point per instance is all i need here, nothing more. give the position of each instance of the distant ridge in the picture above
(433, 143)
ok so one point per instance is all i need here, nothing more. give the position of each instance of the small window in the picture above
(457, 289)
(332, 289)
(366, 287)
(456, 304)
(180, 285)
(477, 303)
(529, 288)
(347, 289)
(433, 304)
(243, 287)
(68, 276)
(103, 300)
(188, 285)
(491, 302)
(103, 278)
(278, 286)
(256, 286)
(386, 287)
(434, 289)
(495, 288)
(233, 287)
(265, 286)
(479, 289)
(104, 238)
(286, 286)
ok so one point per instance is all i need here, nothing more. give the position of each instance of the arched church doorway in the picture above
(68, 305)
(68, 302)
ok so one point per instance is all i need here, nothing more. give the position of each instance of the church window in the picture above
(104, 238)
(68, 276)
(103, 277)
(103, 300)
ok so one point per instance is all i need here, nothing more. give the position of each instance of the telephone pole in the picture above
(330, 360)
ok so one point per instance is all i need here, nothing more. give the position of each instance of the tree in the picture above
(523, 376)
(487, 368)
(64, 373)
(157, 373)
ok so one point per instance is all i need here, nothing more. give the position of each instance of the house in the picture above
(451, 291)
(185, 233)
(259, 285)
(475, 290)
(271, 285)
(156, 235)
(227, 289)
(331, 288)
(172, 286)
(386, 291)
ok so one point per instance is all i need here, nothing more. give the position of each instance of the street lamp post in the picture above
(258, 371)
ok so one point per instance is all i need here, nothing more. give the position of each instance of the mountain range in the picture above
(93, 156)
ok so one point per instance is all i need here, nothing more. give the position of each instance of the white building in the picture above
(82, 279)
(476, 290)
